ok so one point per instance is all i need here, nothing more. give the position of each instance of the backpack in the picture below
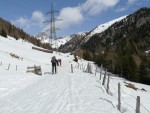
(53, 59)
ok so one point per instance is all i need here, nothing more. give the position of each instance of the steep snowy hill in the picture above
(64, 92)
(104, 26)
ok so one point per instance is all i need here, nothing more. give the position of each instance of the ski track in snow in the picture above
(56, 94)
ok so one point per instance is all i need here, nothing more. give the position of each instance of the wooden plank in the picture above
(43, 50)
(37, 67)
(30, 67)
(32, 71)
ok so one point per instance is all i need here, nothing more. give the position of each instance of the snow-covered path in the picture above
(48, 92)
(60, 93)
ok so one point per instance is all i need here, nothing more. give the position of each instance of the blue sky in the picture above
(77, 15)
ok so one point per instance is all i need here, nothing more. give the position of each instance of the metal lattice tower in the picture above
(52, 25)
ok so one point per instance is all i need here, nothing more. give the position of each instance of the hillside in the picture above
(65, 92)
(79, 39)
(124, 44)
(121, 45)
(73, 44)
(7, 29)
(135, 27)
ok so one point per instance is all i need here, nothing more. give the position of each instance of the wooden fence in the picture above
(33, 69)
(107, 75)
(138, 104)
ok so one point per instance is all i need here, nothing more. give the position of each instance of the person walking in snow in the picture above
(54, 61)
(59, 61)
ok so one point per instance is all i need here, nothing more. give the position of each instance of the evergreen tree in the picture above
(132, 68)
(87, 55)
(99, 59)
(119, 61)
(3, 33)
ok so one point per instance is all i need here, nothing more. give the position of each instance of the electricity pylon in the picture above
(52, 25)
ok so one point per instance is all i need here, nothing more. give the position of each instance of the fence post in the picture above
(8, 67)
(84, 68)
(71, 68)
(1, 63)
(138, 104)
(16, 67)
(80, 67)
(108, 84)
(95, 70)
(104, 77)
(89, 68)
(119, 97)
(100, 73)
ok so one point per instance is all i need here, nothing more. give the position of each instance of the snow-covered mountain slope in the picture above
(44, 37)
(75, 43)
(64, 92)
(104, 26)
(101, 28)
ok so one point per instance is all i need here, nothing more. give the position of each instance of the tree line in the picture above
(6, 28)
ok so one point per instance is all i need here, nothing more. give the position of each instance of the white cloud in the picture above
(70, 16)
(74, 15)
(30, 24)
(38, 16)
(21, 21)
(94, 7)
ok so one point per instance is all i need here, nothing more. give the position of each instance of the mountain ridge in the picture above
(120, 46)
(80, 40)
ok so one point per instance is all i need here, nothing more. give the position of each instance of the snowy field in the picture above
(64, 92)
